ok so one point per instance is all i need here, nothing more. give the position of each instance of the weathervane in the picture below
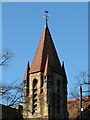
(46, 16)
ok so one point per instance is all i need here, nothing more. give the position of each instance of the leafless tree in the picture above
(11, 94)
(5, 57)
(82, 79)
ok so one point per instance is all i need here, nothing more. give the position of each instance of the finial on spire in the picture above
(46, 16)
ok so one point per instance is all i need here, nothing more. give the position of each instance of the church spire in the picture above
(45, 47)
(45, 74)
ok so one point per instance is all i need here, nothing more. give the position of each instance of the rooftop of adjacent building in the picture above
(73, 107)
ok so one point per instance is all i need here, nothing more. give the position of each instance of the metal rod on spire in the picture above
(46, 16)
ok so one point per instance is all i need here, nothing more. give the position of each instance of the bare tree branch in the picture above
(82, 78)
(5, 57)
(12, 93)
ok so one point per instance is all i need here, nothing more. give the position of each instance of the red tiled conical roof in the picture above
(45, 47)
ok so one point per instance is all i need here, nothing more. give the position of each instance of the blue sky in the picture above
(23, 24)
(45, 0)
(0, 39)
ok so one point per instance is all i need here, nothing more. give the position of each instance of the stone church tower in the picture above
(45, 83)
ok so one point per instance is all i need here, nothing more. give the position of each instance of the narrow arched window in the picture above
(34, 99)
(41, 84)
(58, 86)
(58, 104)
(58, 96)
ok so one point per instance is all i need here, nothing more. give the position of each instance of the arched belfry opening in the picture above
(34, 98)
